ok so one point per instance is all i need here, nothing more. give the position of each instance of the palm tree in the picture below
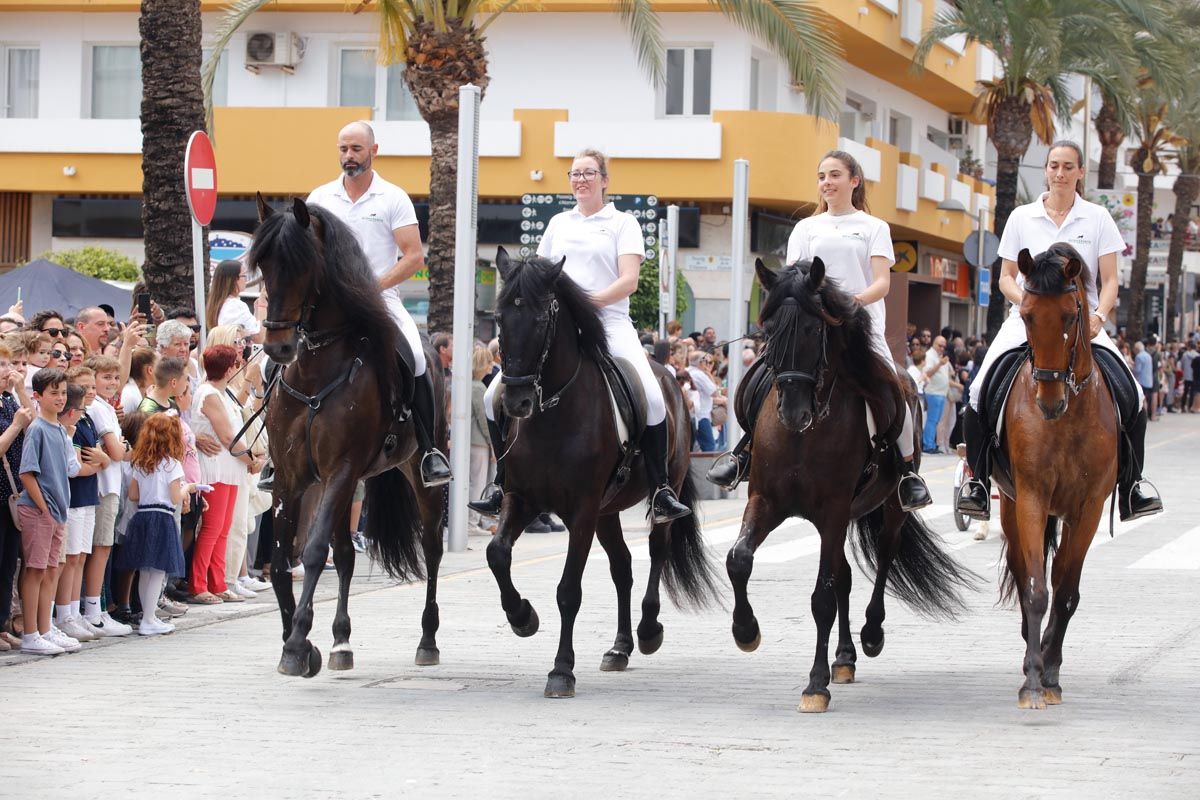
(1185, 122)
(172, 108)
(442, 45)
(1039, 44)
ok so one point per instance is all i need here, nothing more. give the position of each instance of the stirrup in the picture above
(918, 503)
(974, 513)
(717, 472)
(668, 514)
(489, 502)
(1153, 507)
(432, 479)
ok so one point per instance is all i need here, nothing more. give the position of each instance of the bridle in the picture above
(535, 379)
(1067, 376)
(308, 337)
(786, 377)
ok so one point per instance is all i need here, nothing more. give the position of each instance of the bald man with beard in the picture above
(92, 324)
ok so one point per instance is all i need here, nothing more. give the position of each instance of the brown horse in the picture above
(813, 458)
(1060, 438)
(332, 419)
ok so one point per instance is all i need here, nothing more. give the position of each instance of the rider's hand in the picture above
(1094, 326)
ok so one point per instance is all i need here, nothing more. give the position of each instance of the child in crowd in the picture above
(84, 497)
(47, 461)
(169, 374)
(157, 486)
(37, 354)
(102, 414)
(191, 473)
(141, 375)
(15, 416)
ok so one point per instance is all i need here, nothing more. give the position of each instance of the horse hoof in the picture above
(291, 665)
(1052, 695)
(1031, 699)
(559, 685)
(341, 660)
(871, 646)
(615, 661)
(650, 646)
(745, 642)
(815, 703)
(314, 663)
(428, 657)
(531, 624)
(843, 673)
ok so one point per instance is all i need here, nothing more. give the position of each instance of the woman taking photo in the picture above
(225, 306)
(603, 249)
(857, 251)
(1060, 214)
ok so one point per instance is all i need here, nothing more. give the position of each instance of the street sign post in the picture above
(737, 290)
(200, 182)
(984, 290)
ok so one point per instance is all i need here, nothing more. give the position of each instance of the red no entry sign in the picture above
(200, 177)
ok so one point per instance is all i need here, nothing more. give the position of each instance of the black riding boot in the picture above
(489, 502)
(912, 489)
(435, 468)
(975, 495)
(731, 469)
(1138, 497)
(664, 505)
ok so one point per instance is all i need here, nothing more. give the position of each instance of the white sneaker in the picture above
(96, 631)
(69, 644)
(297, 572)
(241, 591)
(254, 584)
(154, 627)
(109, 626)
(40, 646)
(72, 627)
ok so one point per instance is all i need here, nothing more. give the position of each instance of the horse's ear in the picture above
(766, 276)
(816, 273)
(300, 209)
(1073, 268)
(504, 264)
(556, 269)
(1024, 261)
(264, 210)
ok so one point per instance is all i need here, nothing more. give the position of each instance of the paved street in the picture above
(203, 712)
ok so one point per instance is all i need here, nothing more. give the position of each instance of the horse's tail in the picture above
(1008, 581)
(687, 572)
(921, 574)
(394, 525)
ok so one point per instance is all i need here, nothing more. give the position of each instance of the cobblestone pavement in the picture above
(203, 712)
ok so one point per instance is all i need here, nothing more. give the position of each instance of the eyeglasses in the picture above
(194, 328)
(583, 175)
(58, 353)
(55, 331)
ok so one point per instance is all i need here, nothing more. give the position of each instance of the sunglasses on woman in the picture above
(55, 331)
(58, 354)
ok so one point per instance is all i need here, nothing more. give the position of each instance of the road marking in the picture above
(1122, 529)
(1182, 553)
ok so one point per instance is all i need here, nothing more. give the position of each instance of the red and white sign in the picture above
(200, 177)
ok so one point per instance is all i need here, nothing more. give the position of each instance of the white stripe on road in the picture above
(1122, 528)
(1182, 553)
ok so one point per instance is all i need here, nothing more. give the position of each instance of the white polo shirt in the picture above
(1089, 228)
(384, 208)
(591, 246)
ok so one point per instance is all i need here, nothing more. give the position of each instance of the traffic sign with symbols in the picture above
(200, 177)
(984, 290)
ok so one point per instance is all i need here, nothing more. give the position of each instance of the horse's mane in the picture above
(341, 276)
(532, 281)
(1048, 275)
(850, 332)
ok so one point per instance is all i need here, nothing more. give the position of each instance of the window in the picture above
(763, 84)
(959, 129)
(900, 131)
(220, 88)
(400, 103)
(688, 90)
(356, 77)
(857, 118)
(116, 82)
(18, 82)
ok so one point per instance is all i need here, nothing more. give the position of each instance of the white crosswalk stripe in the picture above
(1180, 553)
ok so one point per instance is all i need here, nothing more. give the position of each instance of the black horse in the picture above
(561, 451)
(814, 458)
(332, 421)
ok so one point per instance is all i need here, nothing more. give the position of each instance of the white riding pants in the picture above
(879, 345)
(622, 343)
(1012, 335)
(408, 328)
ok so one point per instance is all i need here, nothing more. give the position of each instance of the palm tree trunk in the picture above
(1011, 131)
(1187, 186)
(1141, 257)
(1108, 130)
(172, 108)
(443, 191)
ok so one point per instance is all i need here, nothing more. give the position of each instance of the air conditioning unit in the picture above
(267, 49)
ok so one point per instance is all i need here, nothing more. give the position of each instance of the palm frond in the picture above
(645, 29)
(799, 33)
(397, 20)
(238, 13)
(495, 14)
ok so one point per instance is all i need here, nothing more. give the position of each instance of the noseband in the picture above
(1066, 376)
(535, 379)
(310, 338)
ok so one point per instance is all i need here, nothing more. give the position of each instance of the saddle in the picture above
(628, 399)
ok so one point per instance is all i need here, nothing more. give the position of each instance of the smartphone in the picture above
(143, 304)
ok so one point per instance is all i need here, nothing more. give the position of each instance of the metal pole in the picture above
(198, 279)
(737, 294)
(1087, 124)
(979, 261)
(664, 259)
(673, 263)
(465, 224)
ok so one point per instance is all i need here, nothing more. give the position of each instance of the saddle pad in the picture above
(1127, 394)
(752, 393)
(993, 395)
(628, 399)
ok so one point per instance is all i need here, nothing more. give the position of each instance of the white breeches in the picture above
(622, 343)
(408, 328)
(879, 345)
(1012, 335)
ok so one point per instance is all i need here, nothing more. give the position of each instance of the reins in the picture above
(536, 377)
(789, 332)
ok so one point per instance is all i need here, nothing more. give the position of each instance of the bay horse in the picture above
(1060, 437)
(813, 458)
(561, 450)
(332, 421)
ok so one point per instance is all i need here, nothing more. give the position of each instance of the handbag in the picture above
(15, 496)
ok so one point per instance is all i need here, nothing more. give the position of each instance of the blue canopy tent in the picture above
(44, 285)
